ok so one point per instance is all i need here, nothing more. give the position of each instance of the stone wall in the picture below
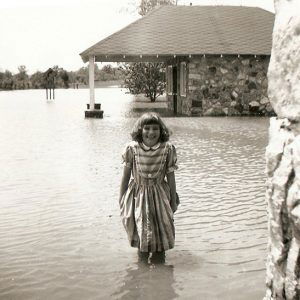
(228, 85)
(283, 156)
(283, 183)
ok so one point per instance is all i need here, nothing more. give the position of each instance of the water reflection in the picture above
(148, 280)
(59, 182)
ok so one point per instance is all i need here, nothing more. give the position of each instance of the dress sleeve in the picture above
(127, 156)
(171, 159)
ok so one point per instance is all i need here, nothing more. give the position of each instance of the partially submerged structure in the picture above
(217, 56)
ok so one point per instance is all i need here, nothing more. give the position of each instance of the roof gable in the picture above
(195, 30)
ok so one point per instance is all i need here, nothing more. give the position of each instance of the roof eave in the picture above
(155, 58)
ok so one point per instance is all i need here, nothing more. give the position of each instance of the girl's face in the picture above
(151, 134)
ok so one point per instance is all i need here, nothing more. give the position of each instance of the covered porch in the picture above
(94, 109)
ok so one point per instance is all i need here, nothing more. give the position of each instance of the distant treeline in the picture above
(62, 78)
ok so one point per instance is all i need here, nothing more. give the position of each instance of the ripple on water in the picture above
(60, 231)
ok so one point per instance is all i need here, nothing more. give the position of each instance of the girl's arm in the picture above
(172, 185)
(124, 182)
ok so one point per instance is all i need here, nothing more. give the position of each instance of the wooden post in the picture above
(283, 156)
(94, 110)
(92, 81)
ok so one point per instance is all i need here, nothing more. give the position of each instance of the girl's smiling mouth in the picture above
(151, 134)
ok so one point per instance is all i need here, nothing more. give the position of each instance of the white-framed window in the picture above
(169, 80)
(183, 79)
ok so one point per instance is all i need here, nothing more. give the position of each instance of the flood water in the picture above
(61, 236)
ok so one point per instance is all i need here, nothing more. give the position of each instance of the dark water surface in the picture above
(61, 236)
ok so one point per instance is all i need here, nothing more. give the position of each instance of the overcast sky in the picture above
(42, 33)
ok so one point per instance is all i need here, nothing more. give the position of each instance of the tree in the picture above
(82, 75)
(21, 79)
(55, 77)
(7, 80)
(37, 80)
(65, 78)
(146, 6)
(147, 78)
(108, 69)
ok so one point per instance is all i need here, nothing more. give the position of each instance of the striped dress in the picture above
(145, 207)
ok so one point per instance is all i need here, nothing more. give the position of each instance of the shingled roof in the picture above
(189, 30)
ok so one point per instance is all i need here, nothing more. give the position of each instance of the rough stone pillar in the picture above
(283, 156)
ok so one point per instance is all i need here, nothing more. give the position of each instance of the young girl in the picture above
(148, 201)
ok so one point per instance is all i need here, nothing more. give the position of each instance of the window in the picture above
(183, 79)
(169, 80)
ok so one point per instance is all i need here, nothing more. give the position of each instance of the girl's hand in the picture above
(173, 206)
(172, 185)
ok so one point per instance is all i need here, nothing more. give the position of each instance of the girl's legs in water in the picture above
(157, 257)
(152, 257)
(143, 256)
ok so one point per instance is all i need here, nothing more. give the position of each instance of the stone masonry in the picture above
(283, 156)
(227, 86)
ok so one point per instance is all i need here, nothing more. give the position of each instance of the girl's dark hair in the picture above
(147, 119)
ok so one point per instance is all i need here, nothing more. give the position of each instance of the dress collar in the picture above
(147, 148)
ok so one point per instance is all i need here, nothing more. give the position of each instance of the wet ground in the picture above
(61, 236)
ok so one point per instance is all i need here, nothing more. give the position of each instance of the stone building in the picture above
(217, 57)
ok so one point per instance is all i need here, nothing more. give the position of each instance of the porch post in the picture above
(92, 81)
